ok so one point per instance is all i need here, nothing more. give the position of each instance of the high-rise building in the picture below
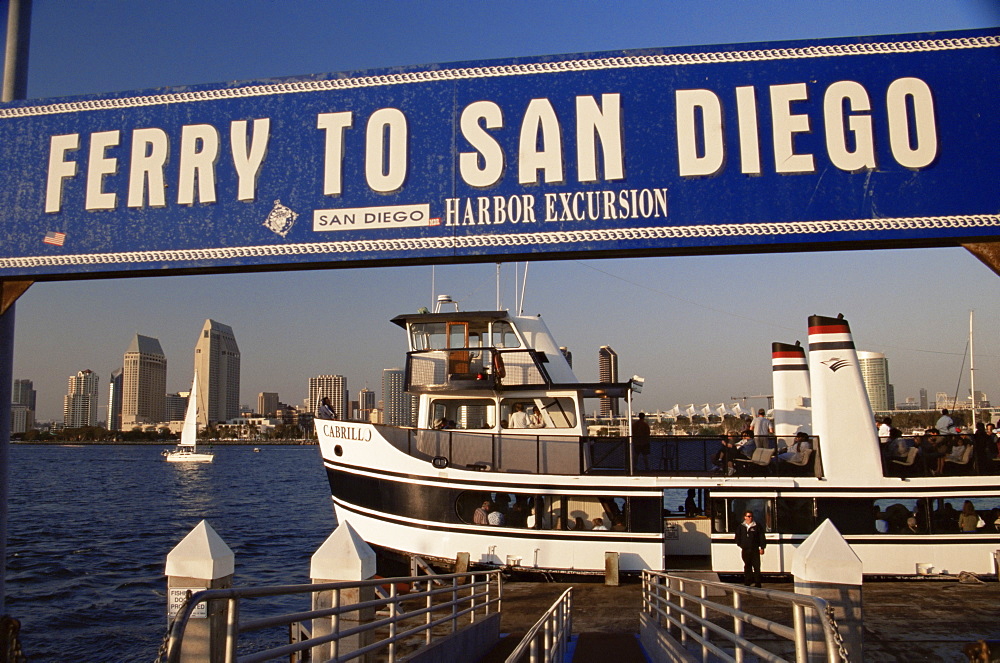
(21, 418)
(267, 403)
(923, 399)
(366, 403)
(22, 411)
(607, 365)
(24, 394)
(566, 353)
(396, 402)
(115, 399)
(176, 406)
(80, 402)
(875, 374)
(334, 386)
(144, 383)
(217, 369)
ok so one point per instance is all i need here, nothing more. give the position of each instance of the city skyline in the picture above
(697, 328)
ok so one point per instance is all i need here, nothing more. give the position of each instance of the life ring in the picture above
(498, 369)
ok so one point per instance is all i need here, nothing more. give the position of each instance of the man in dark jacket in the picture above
(750, 539)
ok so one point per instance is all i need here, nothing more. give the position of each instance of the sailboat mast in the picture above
(972, 369)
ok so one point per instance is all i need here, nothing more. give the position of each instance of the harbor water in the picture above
(90, 528)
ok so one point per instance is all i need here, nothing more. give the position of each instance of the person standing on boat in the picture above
(762, 430)
(519, 418)
(750, 539)
(945, 424)
(640, 439)
(325, 411)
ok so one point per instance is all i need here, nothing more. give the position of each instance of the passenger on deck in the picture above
(325, 411)
(482, 514)
(897, 447)
(691, 505)
(579, 524)
(911, 526)
(762, 429)
(945, 424)
(968, 522)
(640, 440)
(797, 448)
(496, 518)
(599, 525)
(519, 418)
(746, 446)
(724, 457)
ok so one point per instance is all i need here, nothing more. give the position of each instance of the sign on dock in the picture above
(860, 142)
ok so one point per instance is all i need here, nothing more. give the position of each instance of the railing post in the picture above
(825, 566)
(738, 625)
(343, 557)
(202, 560)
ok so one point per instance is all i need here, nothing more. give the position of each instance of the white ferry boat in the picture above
(420, 491)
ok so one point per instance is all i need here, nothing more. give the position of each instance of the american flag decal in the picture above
(55, 238)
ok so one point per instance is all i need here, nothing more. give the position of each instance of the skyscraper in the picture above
(366, 403)
(566, 353)
(333, 386)
(875, 374)
(607, 365)
(24, 394)
(80, 402)
(217, 368)
(144, 383)
(115, 400)
(267, 403)
(395, 401)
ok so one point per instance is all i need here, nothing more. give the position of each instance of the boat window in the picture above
(428, 336)
(553, 512)
(465, 413)
(795, 515)
(850, 515)
(543, 412)
(892, 516)
(728, 513)
(504, 336)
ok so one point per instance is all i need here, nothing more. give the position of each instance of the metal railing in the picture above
(682, 605)
(670, 455)
(547, 639)
(457, 602)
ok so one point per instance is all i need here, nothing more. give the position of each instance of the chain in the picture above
(10, 629)
(836, 634)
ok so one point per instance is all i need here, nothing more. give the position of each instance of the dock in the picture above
(914, 620)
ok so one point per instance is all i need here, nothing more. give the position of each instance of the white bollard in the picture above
(202, 560)
(344, 556)
(826, 567)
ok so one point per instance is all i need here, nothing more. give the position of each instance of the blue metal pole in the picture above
(15, 86)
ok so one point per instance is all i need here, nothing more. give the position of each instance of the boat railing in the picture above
(416, 611)
(693, 612)
(670, 455)
(473, 368)
(939, 455)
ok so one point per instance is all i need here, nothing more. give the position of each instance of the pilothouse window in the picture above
(466, 413)
(504, 336)
(428, 336)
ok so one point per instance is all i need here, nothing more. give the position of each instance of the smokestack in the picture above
(841, 414)
(790, 375)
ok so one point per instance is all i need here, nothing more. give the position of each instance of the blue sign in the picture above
(875, 141)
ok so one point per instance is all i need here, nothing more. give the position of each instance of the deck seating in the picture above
(801, 465)
(960, 466)
(761, 459)
(906, 464)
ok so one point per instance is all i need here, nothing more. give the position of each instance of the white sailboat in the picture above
(187, 448)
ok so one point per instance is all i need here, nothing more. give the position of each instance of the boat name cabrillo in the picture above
(160, 168)
(347, 432)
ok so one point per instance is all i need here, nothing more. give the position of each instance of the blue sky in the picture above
(698, 329)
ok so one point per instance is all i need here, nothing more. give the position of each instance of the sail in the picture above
(189, 433)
